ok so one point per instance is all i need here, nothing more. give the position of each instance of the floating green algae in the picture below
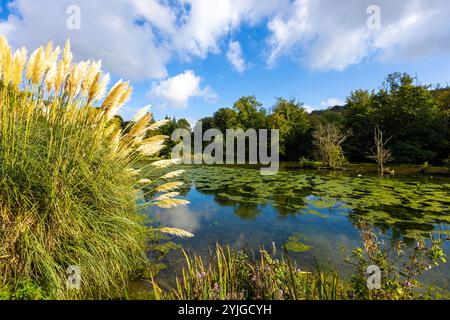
(294, 244)
(401, 203)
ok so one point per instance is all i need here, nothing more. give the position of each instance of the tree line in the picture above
(414, 120)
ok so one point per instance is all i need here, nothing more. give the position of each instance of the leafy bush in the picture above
(400, 267)
(68, 188)
(328, 139)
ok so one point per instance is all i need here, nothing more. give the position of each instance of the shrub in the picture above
(68, 184)
(329, 139)
(399, 265)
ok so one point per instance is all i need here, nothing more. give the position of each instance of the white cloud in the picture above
(329, 35)
(332, 102)
(178, 90)
(137, 39)
(207, 22)
(235, 57)
(182, 218)
(308, 108)
(108, 31)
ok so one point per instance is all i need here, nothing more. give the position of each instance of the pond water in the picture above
(315, 213)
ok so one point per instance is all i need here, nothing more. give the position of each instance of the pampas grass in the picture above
(68, 178)
(170, 186)
(177, 232)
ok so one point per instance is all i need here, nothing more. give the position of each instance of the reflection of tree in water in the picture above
(285, 205)
(398, 207)
(225, 201)
(247, 211)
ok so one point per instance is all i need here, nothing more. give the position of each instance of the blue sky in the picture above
(187, 59)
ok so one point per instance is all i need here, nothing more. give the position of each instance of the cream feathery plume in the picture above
(35, 67)
(50, 58)
(60, 76)
(20, 59)
(63, 67)
(169, 195)
(170, 186)
(91, 76)
(50, 77)
(141, 113)
(151, 149)
(165, 163)
(6, 63)
(48, 51)
(150, 146)
(67, 57)
(134, 172)
(30, 65)
(100, 92)
(145, 181)
(171, 203)
(118, 94)
(126, 95)
(155, 139)
(159, 124)
(3, 47)
(98, 88)
(173, 174)
(177, 232)
(139, 129)
(76, 77)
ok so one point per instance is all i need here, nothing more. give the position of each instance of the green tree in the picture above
(411, 115)
(225, 118)
(408, 112)
(250, 113)
(361, 118)
(291, 119)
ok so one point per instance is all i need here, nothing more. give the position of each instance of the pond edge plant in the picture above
(68, 180)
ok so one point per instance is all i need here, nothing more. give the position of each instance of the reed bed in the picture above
(240, 275)
(68, 178)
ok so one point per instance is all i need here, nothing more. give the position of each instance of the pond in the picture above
(314, 213)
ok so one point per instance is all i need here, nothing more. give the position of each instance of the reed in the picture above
(68, 184)
(240, 275)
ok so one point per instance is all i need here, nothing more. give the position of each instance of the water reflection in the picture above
(242, 208)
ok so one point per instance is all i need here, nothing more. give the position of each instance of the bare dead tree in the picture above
(380, 153)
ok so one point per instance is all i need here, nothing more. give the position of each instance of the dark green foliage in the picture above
(416, 117)
(291, 118)
(412, 114)
(167, 130)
